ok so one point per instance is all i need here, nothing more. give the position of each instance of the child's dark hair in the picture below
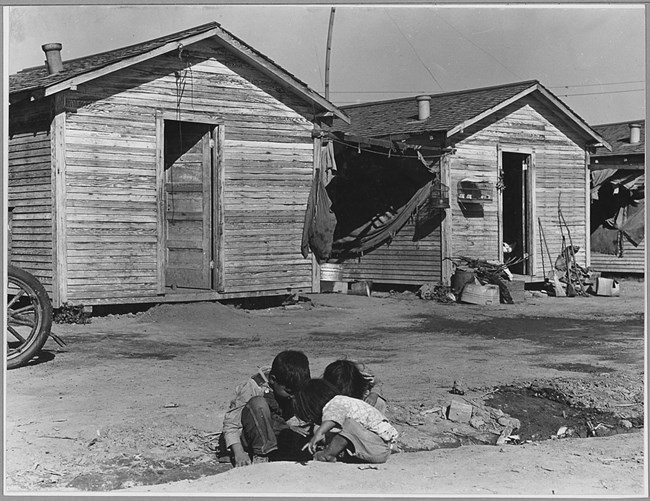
(290, 368)
(308, 403)
(347, 378)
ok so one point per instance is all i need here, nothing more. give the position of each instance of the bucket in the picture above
(362, 288)
(460, 279)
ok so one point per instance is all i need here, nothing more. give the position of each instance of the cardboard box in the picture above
(607, 287)
(480, 294)
(517, 289)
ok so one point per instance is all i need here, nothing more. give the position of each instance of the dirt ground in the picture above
(134, 403)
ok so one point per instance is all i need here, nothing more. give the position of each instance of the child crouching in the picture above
(347, 425)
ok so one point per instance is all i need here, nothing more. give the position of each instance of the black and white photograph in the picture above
(374, 250)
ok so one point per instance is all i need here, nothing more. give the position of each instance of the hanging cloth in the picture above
(320, 221)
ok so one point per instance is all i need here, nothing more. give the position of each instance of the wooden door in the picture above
(188, 204)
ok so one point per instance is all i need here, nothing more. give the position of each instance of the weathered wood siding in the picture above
(112, 205)
(559, 169)
(403, 261)
(631, 262)
(30, 190)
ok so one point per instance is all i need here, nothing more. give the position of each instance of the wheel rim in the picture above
(24, 317)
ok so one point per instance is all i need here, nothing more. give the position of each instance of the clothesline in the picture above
(360, 149)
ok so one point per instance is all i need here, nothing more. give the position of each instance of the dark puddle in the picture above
(123, 472)
(544, 412)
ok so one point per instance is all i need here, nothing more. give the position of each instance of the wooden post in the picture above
(499, 199)
(446, 247)
(587, 209)
(59, 244)
(327, 53)
(160, 193)
(315, 267)
(218, 253)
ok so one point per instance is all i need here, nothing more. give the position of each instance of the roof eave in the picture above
(229, 41)
(279, 75)
(126, 62)
(597, 138)
(467, 123)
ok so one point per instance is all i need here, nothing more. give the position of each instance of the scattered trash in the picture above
(430, 411)
(438, 292)
(458, 388)
(625, 424)
(459, 412)
(367, 467)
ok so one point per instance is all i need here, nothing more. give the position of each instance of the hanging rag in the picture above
(320, 221)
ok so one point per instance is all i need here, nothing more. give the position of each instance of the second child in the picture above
(349, 427)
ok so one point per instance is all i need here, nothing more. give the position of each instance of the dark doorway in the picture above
(516, 215)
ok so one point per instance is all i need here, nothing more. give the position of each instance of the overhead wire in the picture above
(413, 48)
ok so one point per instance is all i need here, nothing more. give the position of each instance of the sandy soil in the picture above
(134, 402)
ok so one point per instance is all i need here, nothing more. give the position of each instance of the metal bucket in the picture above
(362, 288)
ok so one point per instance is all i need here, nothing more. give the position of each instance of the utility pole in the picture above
(327, 54)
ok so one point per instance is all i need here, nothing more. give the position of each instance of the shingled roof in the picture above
(618, 136)
(37, 82)
(451, 112)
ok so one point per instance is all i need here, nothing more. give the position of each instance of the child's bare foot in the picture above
(333, 448)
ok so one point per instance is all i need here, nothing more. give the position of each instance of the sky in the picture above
(592, 56)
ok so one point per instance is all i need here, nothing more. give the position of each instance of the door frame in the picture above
(217, 216)
(531, 213)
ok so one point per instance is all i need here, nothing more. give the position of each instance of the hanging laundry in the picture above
(320, 221)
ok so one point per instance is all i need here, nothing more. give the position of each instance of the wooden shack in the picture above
(176, 169)
(618, 200)
(510, 156)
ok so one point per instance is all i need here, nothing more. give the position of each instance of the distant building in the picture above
(618, 199)
(510, 156)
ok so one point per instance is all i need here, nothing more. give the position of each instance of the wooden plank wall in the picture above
(560, 169)
(402, 262)
(30, 193)
(111, 171)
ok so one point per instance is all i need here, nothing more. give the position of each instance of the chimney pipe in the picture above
(635, 133)
(424, 107)
(53, 61)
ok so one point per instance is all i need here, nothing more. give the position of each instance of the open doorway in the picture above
(516, 210)
(188, 199)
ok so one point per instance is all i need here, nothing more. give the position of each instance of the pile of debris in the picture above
(479, 281)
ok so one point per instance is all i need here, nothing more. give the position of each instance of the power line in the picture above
(413, 92)
(478, 47)
(413, 48)
(597, 84)
(601, 93)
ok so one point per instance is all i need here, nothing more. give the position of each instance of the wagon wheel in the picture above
(29, 317)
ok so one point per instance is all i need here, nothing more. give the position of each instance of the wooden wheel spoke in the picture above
(15, 298)
(16, 334)
(20, 320)
(30, 308)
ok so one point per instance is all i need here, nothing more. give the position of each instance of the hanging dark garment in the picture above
(320, 221)
(634, 226)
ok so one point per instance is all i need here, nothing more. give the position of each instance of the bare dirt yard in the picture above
(553, 400)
